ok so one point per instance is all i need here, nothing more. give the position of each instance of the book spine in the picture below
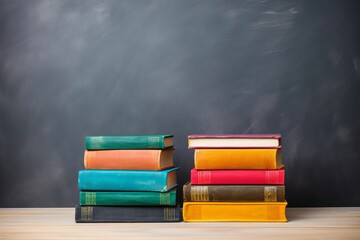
(207, 159)
(118, 180)
(233, 193)
(124, 142)
(227, 136)
(123, 159)
(237, 176)
(128, 198)
(91, 214)
(234, 212)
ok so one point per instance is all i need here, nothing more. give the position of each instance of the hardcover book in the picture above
(235, 141)
(93, 214)
(128, 142)
(233, 193)
(234, 212)
(134, 159)
(237, 176)
(127, 180)
(128, 198)
(238, 159)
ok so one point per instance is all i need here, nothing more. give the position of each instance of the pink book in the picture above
(235, 141)
(238, 176)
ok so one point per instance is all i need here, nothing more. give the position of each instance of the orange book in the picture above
(234, 211)
(147, 159)
(207, 159)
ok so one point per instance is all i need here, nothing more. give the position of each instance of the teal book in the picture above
(128, 142)
(128, 198)
(128, 180)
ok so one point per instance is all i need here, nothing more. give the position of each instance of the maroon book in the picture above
(237, 176)
(235, 141)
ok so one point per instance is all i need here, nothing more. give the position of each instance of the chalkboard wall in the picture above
(69, 69)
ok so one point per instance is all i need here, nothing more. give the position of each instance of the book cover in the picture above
(127, 180)
(235, 141)
(128, 142)
(207, 159)
(103, 214)
(233, 193)
(234, 212)
(134, 159)
(237, 176)
(128, 198)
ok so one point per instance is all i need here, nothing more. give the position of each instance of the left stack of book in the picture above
(128, 179)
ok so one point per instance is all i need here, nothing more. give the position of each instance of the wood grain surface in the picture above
(59, 223)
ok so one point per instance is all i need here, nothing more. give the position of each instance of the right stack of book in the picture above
(237, 178)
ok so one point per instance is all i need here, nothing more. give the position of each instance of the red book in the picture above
(238, 176)
(235, 141)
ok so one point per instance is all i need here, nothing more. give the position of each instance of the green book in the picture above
(129, 142)
(128, 198)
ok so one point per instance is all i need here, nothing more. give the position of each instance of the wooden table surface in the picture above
(59, 223)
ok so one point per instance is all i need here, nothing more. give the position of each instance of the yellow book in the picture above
(234, 212)
(207, 159)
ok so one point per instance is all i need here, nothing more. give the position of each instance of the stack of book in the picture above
(236, 178)
(128, 179)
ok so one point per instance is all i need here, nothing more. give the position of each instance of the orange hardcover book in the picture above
(207, 159)
(234, 211)
(147, 159)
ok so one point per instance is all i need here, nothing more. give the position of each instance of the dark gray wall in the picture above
(74, 68)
